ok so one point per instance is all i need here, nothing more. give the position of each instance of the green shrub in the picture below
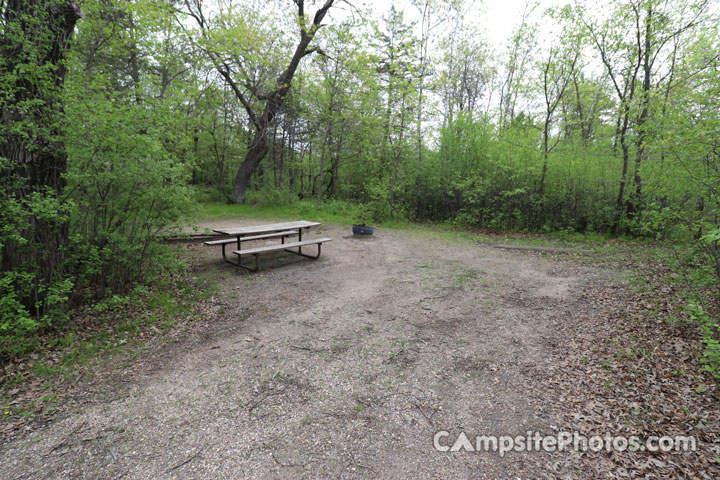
(710, 333)
(126, 182)
(271, 197)
(15, 321)
(378, 208)
(341, 208)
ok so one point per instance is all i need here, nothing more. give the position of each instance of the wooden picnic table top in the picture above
(269, 228)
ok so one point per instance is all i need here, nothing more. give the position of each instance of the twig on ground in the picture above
(287, 465)
(256, 404)
(64, 440)
(186, 461)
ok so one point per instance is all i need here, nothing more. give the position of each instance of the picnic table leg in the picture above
(257, 263)
(300, 240)
(319, 248)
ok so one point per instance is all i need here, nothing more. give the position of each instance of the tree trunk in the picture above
(625, 158)
(424, 40)
(545, 152)
(581, 116)
(396, 156)
(642, 119)
(321, 174)
(281, 160)
(257, 151)
(273, 100)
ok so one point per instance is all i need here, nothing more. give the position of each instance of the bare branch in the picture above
(225, 72)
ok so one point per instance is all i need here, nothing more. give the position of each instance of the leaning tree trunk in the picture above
(273, 100)
(257, 151)
(35, 38)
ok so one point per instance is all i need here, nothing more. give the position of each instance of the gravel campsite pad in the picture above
(343, 367)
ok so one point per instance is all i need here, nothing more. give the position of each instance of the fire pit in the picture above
(362, 229)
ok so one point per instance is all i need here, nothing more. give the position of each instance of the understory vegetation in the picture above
(124, 123)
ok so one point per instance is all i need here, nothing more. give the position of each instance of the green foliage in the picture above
(126, 175)
(15, 321)
(271, 197)
(124, 172)
(335, 211)
(34, 214)
(710, 245)
(378, 208)
(127, 187)
(710, 334)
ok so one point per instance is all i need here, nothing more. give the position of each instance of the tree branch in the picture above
(225, 72)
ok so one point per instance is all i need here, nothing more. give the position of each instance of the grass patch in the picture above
(331, 211)
(348, 213)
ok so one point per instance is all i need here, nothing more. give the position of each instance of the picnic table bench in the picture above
(238, 235)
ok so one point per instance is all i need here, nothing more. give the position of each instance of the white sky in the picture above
(497, 19)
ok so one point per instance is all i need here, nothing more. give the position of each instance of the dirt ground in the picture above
(342, 367)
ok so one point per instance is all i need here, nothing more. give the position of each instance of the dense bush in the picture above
(271, 197)
(123, 181)
(126, 185)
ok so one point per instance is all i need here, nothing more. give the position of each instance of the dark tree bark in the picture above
(635, 201)
(272, 101)
(35, 38)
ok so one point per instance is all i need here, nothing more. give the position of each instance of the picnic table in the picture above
(264, 232)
